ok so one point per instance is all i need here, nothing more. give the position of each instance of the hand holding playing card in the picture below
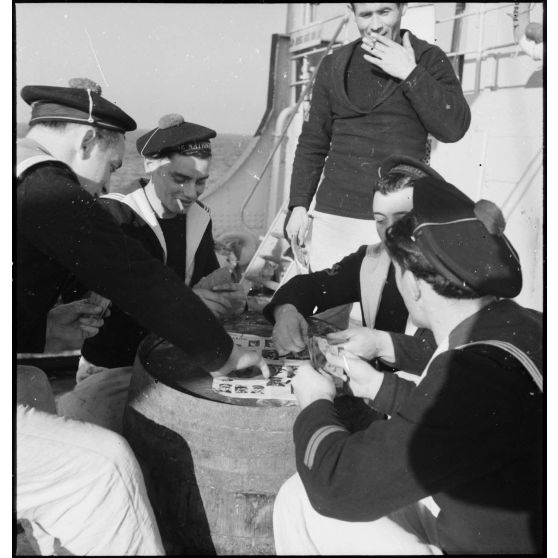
(364, 380)
(363, 342)
(309, 386)
(235, 294)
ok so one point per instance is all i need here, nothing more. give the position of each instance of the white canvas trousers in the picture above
(99, 396)
(80, 489)
(299, 530)
(333, 238)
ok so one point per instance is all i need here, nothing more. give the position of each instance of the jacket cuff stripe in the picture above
(315, 441)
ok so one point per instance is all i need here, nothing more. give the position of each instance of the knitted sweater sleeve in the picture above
(313, 142)
(318, 291)
(435, 93)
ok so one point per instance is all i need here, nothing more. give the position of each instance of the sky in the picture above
(209, 62)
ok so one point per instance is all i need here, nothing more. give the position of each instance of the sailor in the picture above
(76, 140)
(365, 276)
(165, 216)
(457, 469)
(377, 96)
(62, 229)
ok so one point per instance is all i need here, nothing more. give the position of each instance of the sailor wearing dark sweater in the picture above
(458, 466)
(375, 97)
(366, 277)
(163, 214)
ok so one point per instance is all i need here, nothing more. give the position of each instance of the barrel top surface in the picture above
(174, 368)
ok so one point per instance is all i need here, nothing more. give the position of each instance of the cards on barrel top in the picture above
(250, 383)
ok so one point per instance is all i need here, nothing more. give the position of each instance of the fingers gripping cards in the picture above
(318, 348)
(249, 383)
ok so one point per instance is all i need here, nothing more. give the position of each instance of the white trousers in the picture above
(80, 489)
(333, 238)
(299, 530)
(99, 396)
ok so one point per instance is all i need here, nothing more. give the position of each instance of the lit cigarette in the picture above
(180, 205)
(346, 363)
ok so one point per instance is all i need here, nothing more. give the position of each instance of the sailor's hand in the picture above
(364, 380)
(240, 359)
(394, 59)
(363, 342)
(290, 330)
(235, 294)
(217, 302)
(297, 227)
(309, 386)
(69, 324)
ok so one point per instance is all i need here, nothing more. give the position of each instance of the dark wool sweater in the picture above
(61, 230)
(470, 435)
(117, 341)
(348, 143)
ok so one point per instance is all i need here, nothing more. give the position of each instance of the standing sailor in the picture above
(457, 469)
(165, 216)
(377, 96)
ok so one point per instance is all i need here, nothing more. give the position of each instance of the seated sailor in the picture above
(458, 466)
(79, 489)
(365, 276)
(165, 216)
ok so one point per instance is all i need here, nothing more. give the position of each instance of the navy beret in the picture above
(406, 165)
(464, 240)
(173, 133)
(81, 103)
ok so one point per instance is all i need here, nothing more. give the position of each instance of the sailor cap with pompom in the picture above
(173, 134)
(464, 240)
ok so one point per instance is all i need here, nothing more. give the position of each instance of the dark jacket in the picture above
(316, 292)
(348, 143)
(62, 230)
(469, 435)
(117, 341)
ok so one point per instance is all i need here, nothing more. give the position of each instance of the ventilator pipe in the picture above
(275, 169)
(290, 118)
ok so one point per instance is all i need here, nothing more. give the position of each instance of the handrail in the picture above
(297, 55)
(316, 23)
(302, 97)
(470, 14)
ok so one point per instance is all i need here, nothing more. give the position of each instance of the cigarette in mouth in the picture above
(180, 204)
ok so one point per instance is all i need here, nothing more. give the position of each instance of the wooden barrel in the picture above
(212, 465)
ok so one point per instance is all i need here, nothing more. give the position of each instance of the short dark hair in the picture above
(403, 249)
(394, 182)
(105, 138)
(352, 4)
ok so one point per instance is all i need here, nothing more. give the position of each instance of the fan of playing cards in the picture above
(318, 347)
